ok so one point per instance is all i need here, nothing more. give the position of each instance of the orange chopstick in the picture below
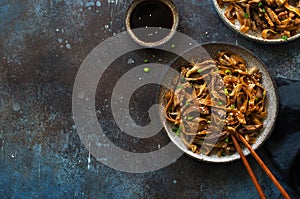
(265, 168)
(248, 168)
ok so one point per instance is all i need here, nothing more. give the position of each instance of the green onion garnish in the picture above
(176, 130)
(200, 71)
(246, 15)
(226, 91)
(284, 37)
(179, 87)
(263, 10)
(220, 103)
(228, 72)
(146, 70)
(232, 106)
(260, 4)
(226, 140)
(190, 118)
(187, 103)
(146, 61)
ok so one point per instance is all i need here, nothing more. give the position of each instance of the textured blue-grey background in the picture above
(43, 43)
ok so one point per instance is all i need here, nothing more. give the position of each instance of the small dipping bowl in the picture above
(152, 23)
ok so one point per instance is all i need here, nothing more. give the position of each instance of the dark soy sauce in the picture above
(151, 13)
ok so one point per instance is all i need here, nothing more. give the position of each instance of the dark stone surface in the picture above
(43, 44)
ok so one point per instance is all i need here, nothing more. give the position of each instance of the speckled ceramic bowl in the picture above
(252, 35)
(251, 60)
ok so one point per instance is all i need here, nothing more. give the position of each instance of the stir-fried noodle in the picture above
(224, 86)
(274, 18)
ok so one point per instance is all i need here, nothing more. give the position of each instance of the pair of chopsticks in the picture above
(261, 163)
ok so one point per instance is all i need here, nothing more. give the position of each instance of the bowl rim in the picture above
(263, 135)
(251, 37)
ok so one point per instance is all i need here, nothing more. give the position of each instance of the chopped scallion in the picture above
(284, 37)
(228, 72)
(226, 91)
(176, 130)
(146, 70)
(179, 86)
(260, 4)
(190, 118)
(187, 103)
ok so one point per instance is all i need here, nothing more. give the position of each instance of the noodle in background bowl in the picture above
(210, 51)
(252, 35)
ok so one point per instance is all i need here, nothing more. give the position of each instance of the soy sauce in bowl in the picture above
(152, 21)
(151, 14)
